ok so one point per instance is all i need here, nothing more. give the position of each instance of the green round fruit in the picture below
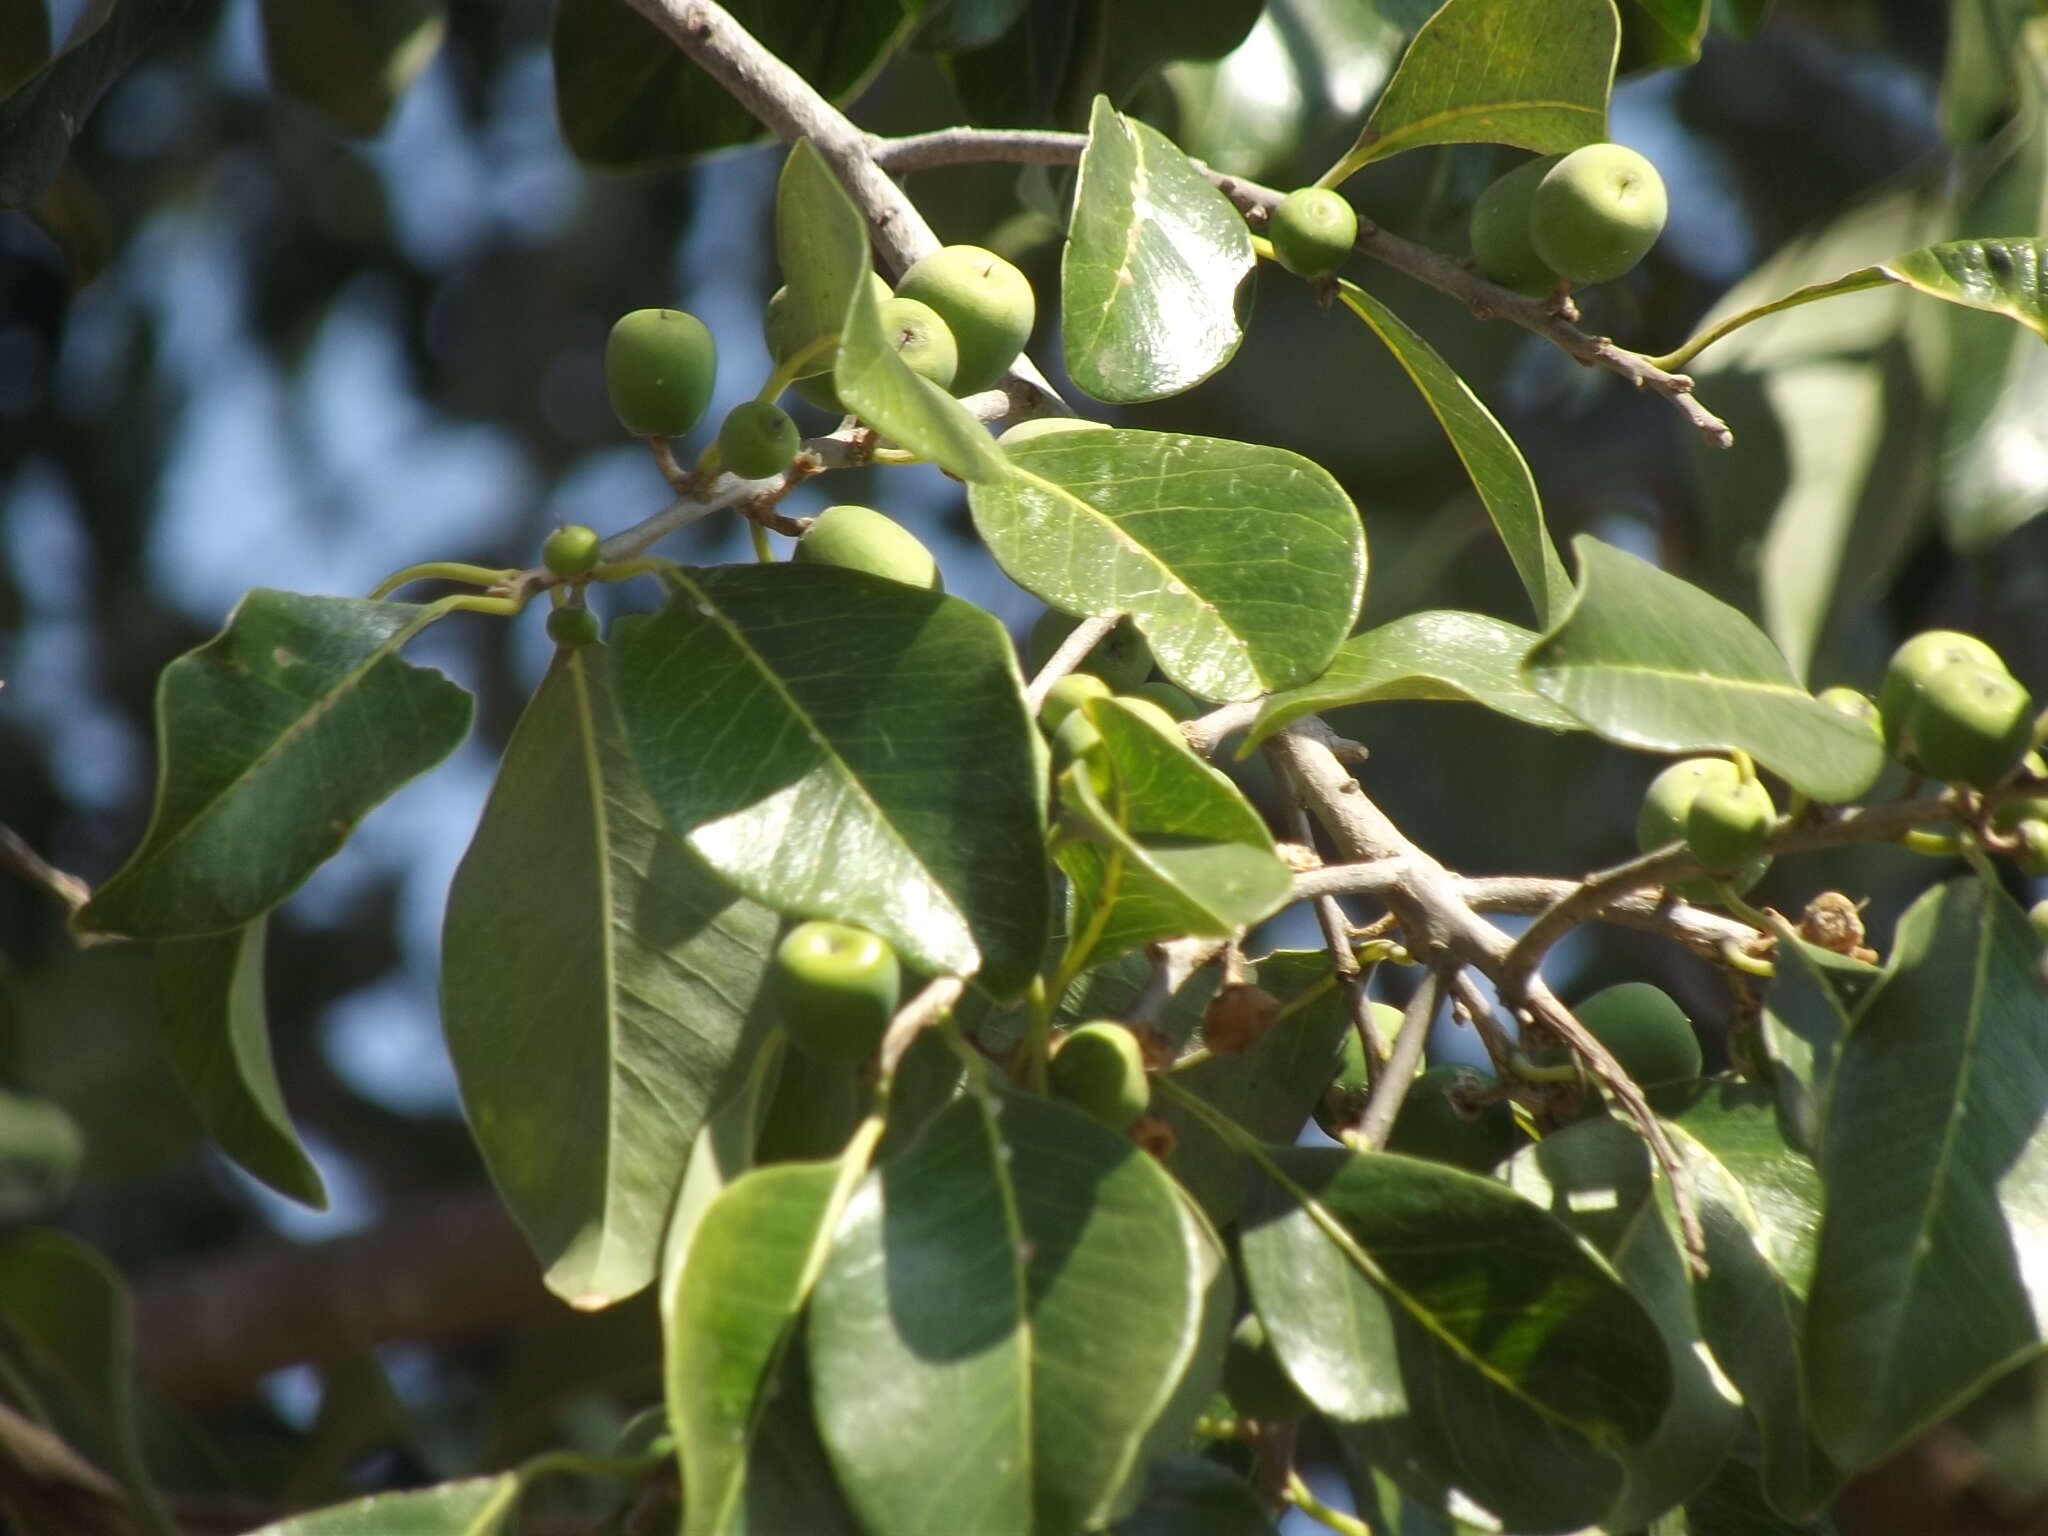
(1048, 426)
(862, 539)
(2032, 856)
(659, 365)
(1312, 231)
(1254, 1380)
(1067, 695)
(1121, 659)
(573, 627)
(1860, 708)
(1077, 740)
(1501, 246)
(757, 439)
(571, 551)
(984, 300)
(1597, 212)
(1663, 816)
(836, 987)
(1968, 725)
(1918, 659)
(780, 328)
(1177, 702)
(1727, 825)
(1100, 1068)
(1432, 1125)
(922, 339)
(1344, 1100)
(2037, 915)
(1648, 1033)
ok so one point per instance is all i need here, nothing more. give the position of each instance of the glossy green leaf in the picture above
(1806, 1013)
(1462, 1338)
(1173, 848)
(209, 1006)
(1596, 1178)
(1935, 1160)
(1441, 654)
(729, 1308)
(1154, 258)
(1269, 1090)
(1243, 566)
(478, 1506)
(1759, 1207)
(274, 739)
(1188, 1496)
(1009, 1309)
(1489, 455)
(821, 244)
(597, 986)
(1659, 34)
(837, 745)
(50, 105)
(350, 59)
(627, 96)
(41, 1149)
(1648, 660)
(68, 1311)
(1497, 72)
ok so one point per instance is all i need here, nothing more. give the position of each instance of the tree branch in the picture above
(1487, 300)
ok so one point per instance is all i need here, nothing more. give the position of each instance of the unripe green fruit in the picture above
(1121, 658)
(1968, 725)
(1177, 702)
(571, 627)
(1312, 231)
(1649, 1034)
(1100, 1068)
(1047, 426)
(757, 439)
(1077, 740)
(1727, 824)
(862, 539)
(571, 551)
(779, 328)
(1067, 695)
(836, 987)
(1501, 246)
(1860, 708)
(1918, 659)
(2037, 915)
(1597, 212)
(1344, 1100)
(1663, 816)
(985, 301)
(1432, 1125)
(1254, 1380)
(659, 365)
(922, 340)
(2032, 856)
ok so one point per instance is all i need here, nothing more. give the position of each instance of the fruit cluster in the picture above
(1585, 217)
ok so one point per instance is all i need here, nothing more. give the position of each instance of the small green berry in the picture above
(1100, 1067)
(659, 365)
(1501, 247)
(1313, 231)
(1917, 660)
(922, 339)
(1727, 825)
(1067, 695)
(1968, 725)
(836, 987)
(571, 551)
(986, 303)
(757, 439)
(862, 539)
(1597, 212)
(573, 627)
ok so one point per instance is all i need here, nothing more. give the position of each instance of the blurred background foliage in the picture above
(321, 290)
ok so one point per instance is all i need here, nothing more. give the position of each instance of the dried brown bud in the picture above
(1238, 1017)
(1298, 857)
(1153, 1135)
(1156, 1045)
(1835, 923)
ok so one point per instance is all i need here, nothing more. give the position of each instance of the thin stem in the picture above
(441, 570)
(1303, 1498)
(764, 551)
(1073, 650)
(1393, 1084)
(932, 1004)
(15, 853)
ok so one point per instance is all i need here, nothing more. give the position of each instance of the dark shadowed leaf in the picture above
(1187, 1496)
(597, 986)
(480, 1506)
(837, 745)
(1657, 34)
(1155, 254)
(1806, 1014)
(40, 1152)
(27, 45)
(1935, 1161)
(51, 104)
(1010, 1308)
(1648, 660)
(209, 1007)
(1497, 72)
(1024, 76)
(1242, 566)
(1459, 657)
(274, 739)
(352, 59)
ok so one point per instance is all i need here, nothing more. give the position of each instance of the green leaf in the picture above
(1489, 455)
(1176, 850)
(821, 244)
(274, 739)
(1022, 78)
(1188, 1496)
(1154, 258)
(1742, 18)
(628, 97)
(1978, 65)
(1497, 72)
(598, 989)
(478, 1506)
(723, 1148)
(1462, 1338)
(26, 46)
(349, 59)
(1734, 1505)
(968, 24)
(1009, 1309)
(1442, 654)
(1596, 1178)
(1929, 1281)
(1806, 1013)
(1243, 566)
(1648, 660)
(1759, 1207)
(1659, 34)
(66, 1308)
(837, 745)
(41, 1149)
(209, 1006)
(730, 1301)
